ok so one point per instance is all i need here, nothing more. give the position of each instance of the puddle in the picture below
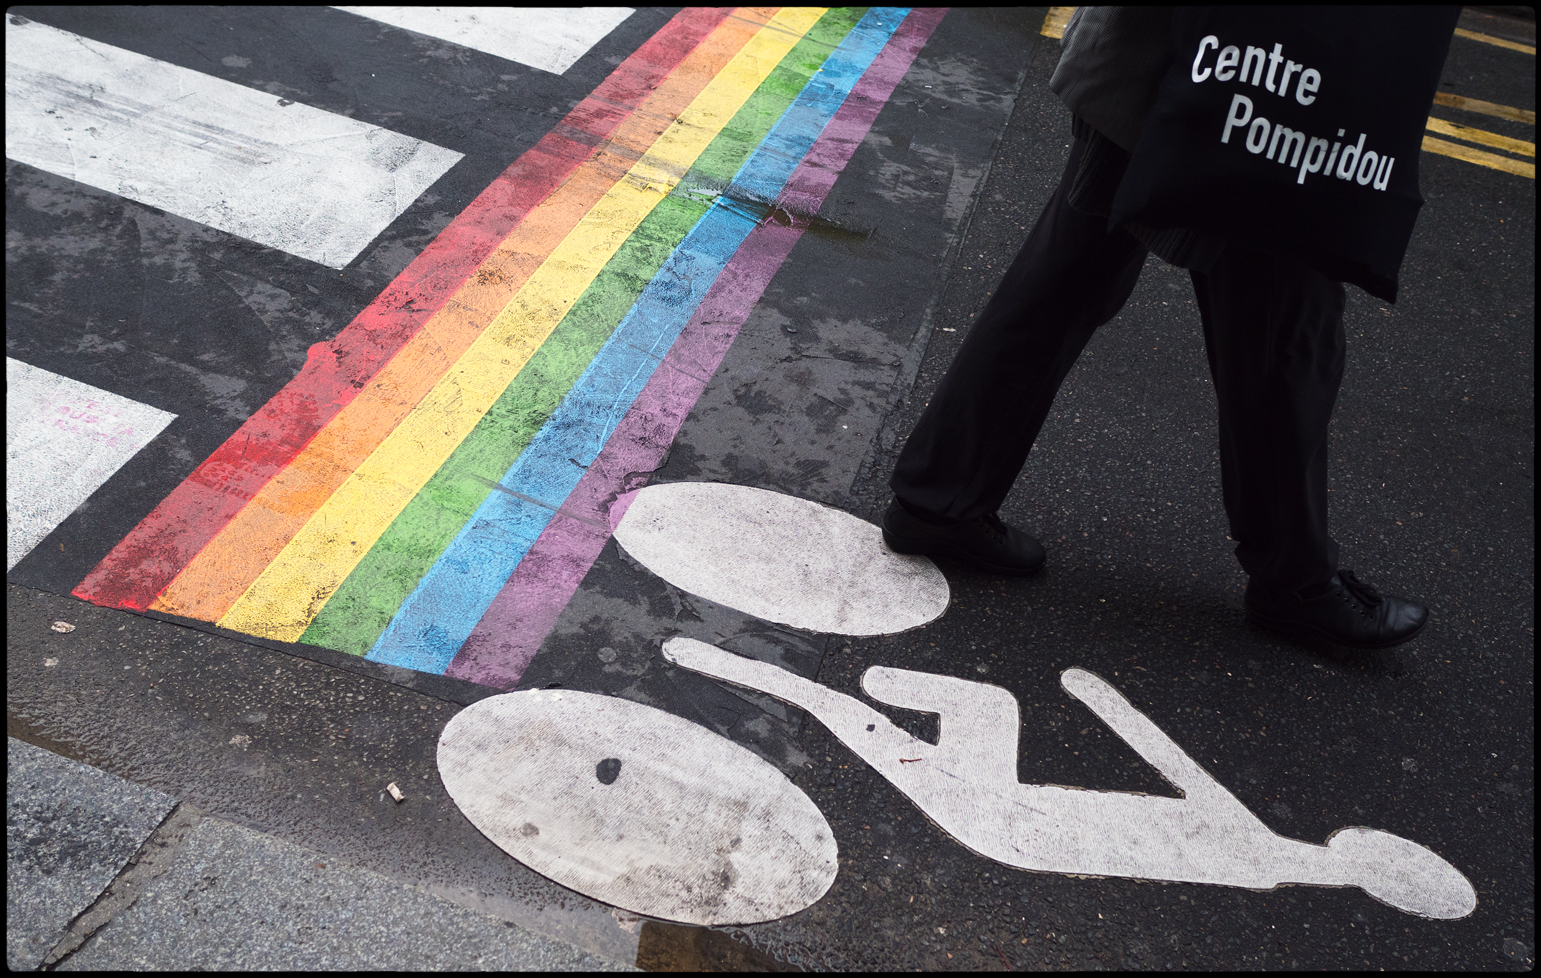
(678, 947)
(28, 732)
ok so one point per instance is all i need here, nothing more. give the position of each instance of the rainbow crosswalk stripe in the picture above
(430, 494)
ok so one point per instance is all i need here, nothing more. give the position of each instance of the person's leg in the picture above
(1274, 333)
(971, 442)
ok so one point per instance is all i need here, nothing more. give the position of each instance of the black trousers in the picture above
(1274, 334)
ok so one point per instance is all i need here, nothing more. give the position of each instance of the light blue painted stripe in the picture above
(440, 613)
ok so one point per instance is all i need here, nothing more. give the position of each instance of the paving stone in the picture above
(236, 899)
(69, 830)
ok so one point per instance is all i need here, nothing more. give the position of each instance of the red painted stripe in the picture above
(146, 560)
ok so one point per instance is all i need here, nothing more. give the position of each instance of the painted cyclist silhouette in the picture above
(704, 831)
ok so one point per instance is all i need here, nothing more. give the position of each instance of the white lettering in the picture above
(1257, 56)
(1350, 159)
(1383, 173)
(1273, 66)
(1313, 161)
(1310, 81)
(1287, 135)
(1225, 65)
(1327, 170)
(1290, 68)
(1212, 42)
(1258, 134)
(1366, 168)
(1232, 120)
(1259, 67)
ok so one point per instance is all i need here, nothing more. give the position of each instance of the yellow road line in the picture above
(1493, 160)
(1487, 39)
(1485, 108)
(1481, 137)
(1054, 23)
(293, 589)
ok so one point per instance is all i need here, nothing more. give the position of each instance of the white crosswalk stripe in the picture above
(292, 177)
(63, 439)
(548, 38)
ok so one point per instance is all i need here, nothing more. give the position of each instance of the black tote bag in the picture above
(1294, 131)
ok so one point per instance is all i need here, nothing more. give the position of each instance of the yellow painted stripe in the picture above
(1481, 137)
(1516, 167)
(211, 583)
(1054, 23)
(1485, 108)
(1488, 39)
(292, 590)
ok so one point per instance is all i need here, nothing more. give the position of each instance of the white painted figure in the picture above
(967, 784)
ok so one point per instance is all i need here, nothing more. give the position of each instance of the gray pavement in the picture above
(181, 796)
(70, 830)
(103, 874)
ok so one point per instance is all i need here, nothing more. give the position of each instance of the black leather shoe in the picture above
(1350, 613)
(986, 543)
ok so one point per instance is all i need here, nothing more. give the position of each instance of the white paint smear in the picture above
(967, 783)
(63, 439)
(780, 558)
(548, 38)
(286, 175)
(637, 807)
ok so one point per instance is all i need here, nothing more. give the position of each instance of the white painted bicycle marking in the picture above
(637, 807)
(781, 558)
(777, 557)
(967, 784)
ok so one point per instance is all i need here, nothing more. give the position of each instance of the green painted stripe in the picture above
(363, 606)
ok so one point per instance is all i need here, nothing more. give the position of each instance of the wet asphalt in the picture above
(1432, 497)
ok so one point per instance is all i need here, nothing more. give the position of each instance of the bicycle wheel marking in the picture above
(636, 807)
(780, 558)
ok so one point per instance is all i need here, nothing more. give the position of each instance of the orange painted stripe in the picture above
(222, 571)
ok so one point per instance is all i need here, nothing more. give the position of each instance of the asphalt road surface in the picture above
(185, 327)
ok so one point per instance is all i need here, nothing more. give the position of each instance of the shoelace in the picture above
(993, 524)
(1366, 594)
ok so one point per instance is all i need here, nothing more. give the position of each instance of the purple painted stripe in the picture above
(524, 612)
